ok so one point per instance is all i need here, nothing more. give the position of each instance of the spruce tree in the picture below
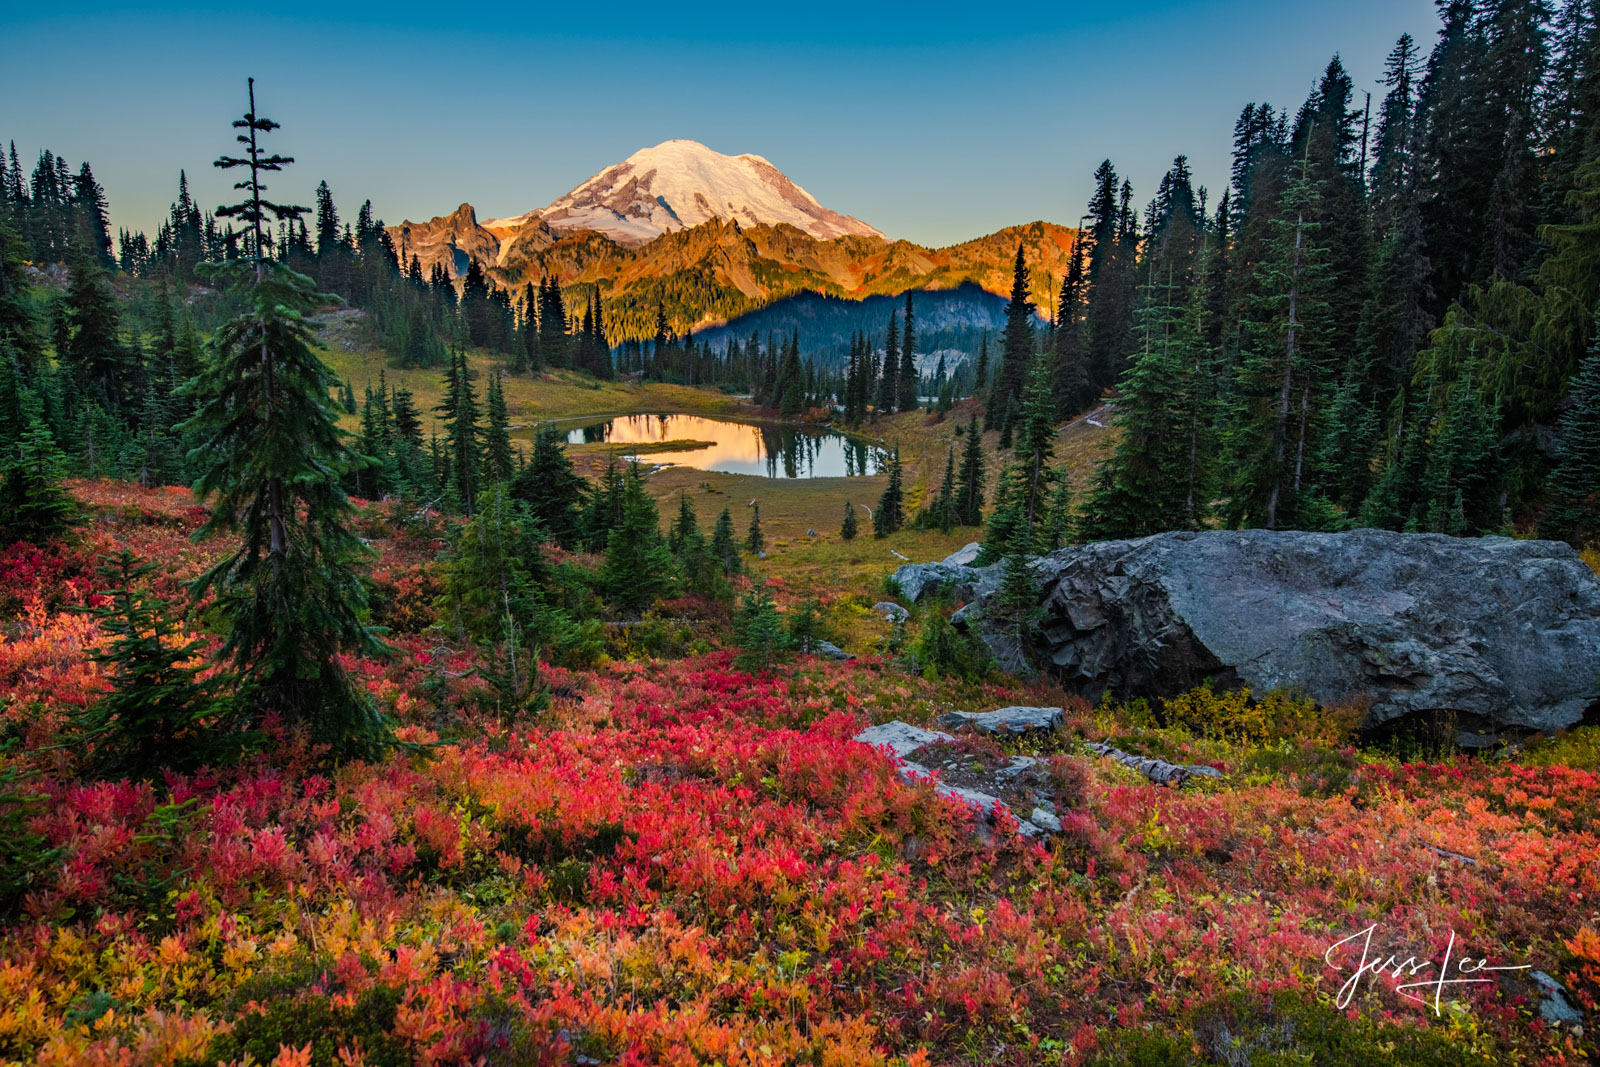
(639, 568)
(1283, 371)
(34, 506)
(685, 530)
(763, 642)
(553, 491)
(755, 541)
(1016, 344)
(159, 713)
(271, 456)
(723, 548)
(458, 410)
(1574, 487)
(848, 529)
(907, 399)
(889, 383)
(890, 514)
(1144, 490)
(970, 482)
(498, 465)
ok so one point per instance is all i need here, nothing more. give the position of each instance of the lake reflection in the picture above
(739, 447)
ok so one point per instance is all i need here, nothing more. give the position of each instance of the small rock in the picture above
(1045, 820)
(1554, 1007)
(1017, 765)
(891, 611)
(963, 557)
(1012, 720)
(831, 650)
(900, 738)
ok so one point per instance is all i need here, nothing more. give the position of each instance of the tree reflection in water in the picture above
(771, 451)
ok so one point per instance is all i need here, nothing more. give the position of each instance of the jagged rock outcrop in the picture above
(1501, 633)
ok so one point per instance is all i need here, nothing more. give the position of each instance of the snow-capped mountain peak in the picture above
(678, 184)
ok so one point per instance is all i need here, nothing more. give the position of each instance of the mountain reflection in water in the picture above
(738, 447)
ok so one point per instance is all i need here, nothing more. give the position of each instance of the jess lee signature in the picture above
(1410, 967)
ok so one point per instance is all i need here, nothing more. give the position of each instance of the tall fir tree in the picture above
(890, 514)
(271, 457)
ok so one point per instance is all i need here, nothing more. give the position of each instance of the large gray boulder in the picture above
(917, 579)
(1502, 633)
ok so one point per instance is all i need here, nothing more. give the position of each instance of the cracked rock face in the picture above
(1503, 633)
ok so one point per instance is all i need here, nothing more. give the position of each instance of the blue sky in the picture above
(936, 124)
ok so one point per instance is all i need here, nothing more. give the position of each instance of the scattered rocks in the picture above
(1012, 720)
(975, 777)
(891, 611)
(1495, 632)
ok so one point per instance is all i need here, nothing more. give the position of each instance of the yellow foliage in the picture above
(1277, 716)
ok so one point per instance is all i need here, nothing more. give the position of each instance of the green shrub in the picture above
(309, 1019)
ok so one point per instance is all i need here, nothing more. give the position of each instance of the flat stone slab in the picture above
(832, 651)
(963, 557)
(1013, 720)
(900, 738)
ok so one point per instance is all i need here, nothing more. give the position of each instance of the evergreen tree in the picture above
(807, 627)
(970, 482)
(271, 456)
(458, 411)
(639, 568)
(1057, 525)
(889, 383)
(497, 460)
(754, 541)
(95, 352)
(1143, 490)
(34, 506)
(159, 713)
(1574, 488)
(551, 489)
(907, 399)
(763, 643)
(890, 513)
(1284, 370)
(1072, 389)
(941, 511)
(723, 548)
(849, 528)
(685, 532)
(1016, 355)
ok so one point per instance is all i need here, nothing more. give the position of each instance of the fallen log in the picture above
(1158, 771)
